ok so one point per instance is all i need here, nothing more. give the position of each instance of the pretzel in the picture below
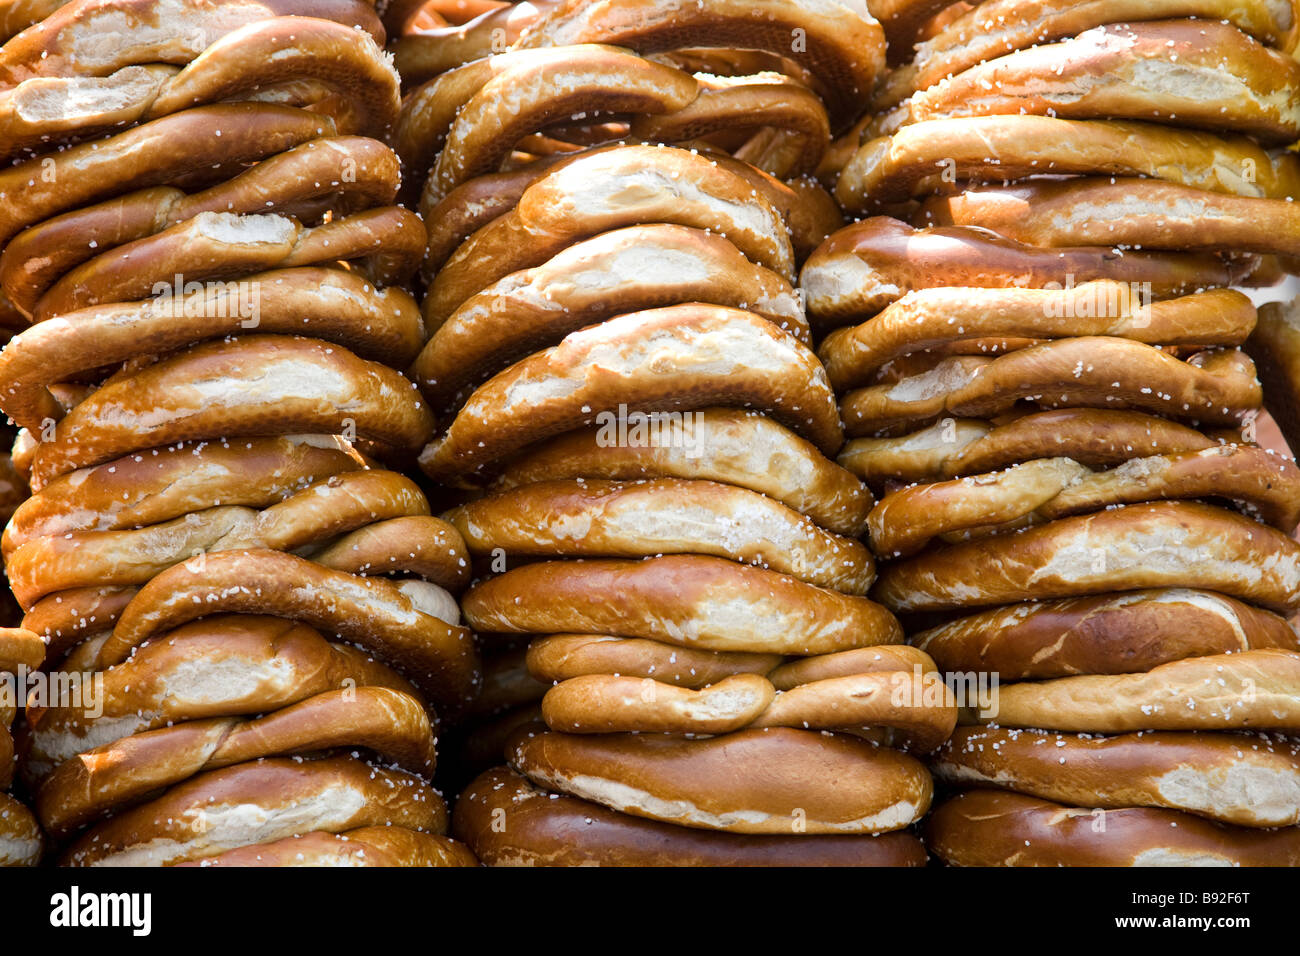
(607, 190)
(420, 55)
(841, 42)
(592, 518)
(605, 703)
(1106, 634)
(364, 846)
(302, 61)
(197, 818)
(952, 448)
(754, 781)
(389, 723)
(1137, 546)
(1141, 71)
(1216, 387)
(995, 28)
(747, 361)
(992, 828)
(540, 829)
(19, 648)
(1201, 773)
(21, 842)
(195, 147)
(140, 490)
(1005, 148)
(179, 392)
(688, 600)
(1126, 212)
(1265, 484)
(394, 620)
(883, 658)
(219, 667)
(561, 657)
(317, 513)
(628, 270)
(927, 318)
(388, 242)
(64, 619)
(734, 446)
(17, 15)
(1249, 690)
(1275, 347)
(343, 173)
(864, 267)
(422, 545)
(63, 43)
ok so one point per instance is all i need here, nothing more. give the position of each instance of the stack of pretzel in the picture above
(203, 258)
(617, 206)
(1072, 498)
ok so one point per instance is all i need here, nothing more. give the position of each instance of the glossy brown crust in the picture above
(544, 829)
(702, 356)
(729, 445)
(558, 657)
(198, 818)
(1095, 437)
(364, 846)
(754, 781)
(261, 379)
(866, 266)
(1249, 780)
(695, 601)
(1216, 387)
(594, 518)
(1124, 212)
(903, 166)
(20, 648)
(1275, 347)
(991, 828)
(1136, 71)
(1103, 634)
(1167, 544)
(21, 841)
(1250, 690)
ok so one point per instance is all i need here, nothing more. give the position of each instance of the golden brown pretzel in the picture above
(1003, 148)
(388, 242)
(1267, 485)
(1127, 212)
(378, 402)
(1275, 347)
(540, 828)
(754, 781)
(364, 846)
(222, 666)
(341, 174)
(98, 782)
(926, 318)
(689, 600)
(422, 545)
(559, 657)
(594, 518)
(199, 146)
(1105, 634)
(1203, 773)
(421, 54)
(701, 355)
(196, 818)
(1217, 387)
(20, 648)
(993, 828)
(1137, 546)
(1248, 690)
(864, 267)
(720, 444)
(613, 703)
(837, 41)
(21, 842)
(611, 189)
(627, 270)
(394, 620)
(65, 619)
(331, 304)
(951, 448)
(140, 490)
(1196, 73)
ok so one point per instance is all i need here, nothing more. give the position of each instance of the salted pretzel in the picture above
(749, 362)
(1263, 483)
(364, 846)
(21, 841)
(1137, 546)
